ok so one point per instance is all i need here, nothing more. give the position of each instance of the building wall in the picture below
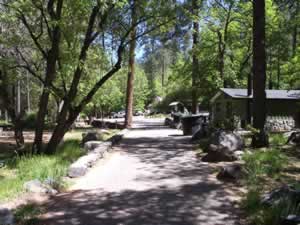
(219, 108)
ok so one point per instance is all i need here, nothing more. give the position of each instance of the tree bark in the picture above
(278, 71)
(52, 57)
(249, 93)
(295, 30)
(13, 107)
(131, 67)
(223, 45)
(259, 72)
(195, 63)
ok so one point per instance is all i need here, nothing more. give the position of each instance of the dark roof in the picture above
(271, 94)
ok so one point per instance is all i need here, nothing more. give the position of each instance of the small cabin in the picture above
(281, 105)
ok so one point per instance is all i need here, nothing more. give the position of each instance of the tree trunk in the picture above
(195, 64)
(52, 57)
(295, 30)
(43, 101)
(57, 136)
(28, 94)
(18, 132)
(12, 106)
(259, 73)
(131, 67)
(249, 93)
(278, 71)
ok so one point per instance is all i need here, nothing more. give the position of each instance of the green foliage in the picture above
(261, 166)
(41, 167)
(27, 214)
(4, 123)
(252, 201)
(264, 163)
(30, 121)
(252, 129)
(277, 139)
(268, 215)
(227, 124)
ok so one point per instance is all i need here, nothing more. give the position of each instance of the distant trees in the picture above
(72, 49)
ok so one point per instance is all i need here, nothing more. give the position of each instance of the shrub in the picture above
(277, 139)
(29, 121)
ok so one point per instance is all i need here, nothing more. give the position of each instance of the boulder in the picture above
(6, 217)
(228, 140)
(77, 170)
(35, 186)
(168, 122)
(2, 163)
(91, 145)
(291, 220)
(200, 133)
(294, 138)
(91, 136)
(283, 192)
(239, 154)
(106, 124)
(80, 167)
(219, 154)
(230, 173)
(116, 139)
(52, 183)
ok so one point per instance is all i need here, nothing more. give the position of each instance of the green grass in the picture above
(4, 123)
(27, 214)
(260, 164)
(29, 167)
(260, 214)
(277, 139)
(263, 168)
(76, 134)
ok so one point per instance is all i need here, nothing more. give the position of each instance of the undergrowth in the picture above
(262, 168)
(21, 169)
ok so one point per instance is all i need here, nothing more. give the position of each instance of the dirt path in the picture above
(152, 178)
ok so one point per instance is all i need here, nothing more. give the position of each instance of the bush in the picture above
(30, 121)
(277, 139)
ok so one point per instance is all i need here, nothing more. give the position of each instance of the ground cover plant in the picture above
(268, 169)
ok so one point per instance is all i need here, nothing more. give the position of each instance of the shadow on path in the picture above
(176, 189)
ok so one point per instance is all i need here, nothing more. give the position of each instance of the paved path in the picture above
(152, 178)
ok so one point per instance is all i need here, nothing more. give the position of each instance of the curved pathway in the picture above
(152, 178)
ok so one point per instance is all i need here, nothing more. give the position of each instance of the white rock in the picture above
(35, 186)
(91, 145)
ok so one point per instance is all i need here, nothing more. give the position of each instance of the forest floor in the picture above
(152, 177)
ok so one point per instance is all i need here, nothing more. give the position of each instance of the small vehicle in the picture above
(139, 113)
(120, 114)
(112, 115)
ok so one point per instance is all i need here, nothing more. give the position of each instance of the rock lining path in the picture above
(152, 178)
